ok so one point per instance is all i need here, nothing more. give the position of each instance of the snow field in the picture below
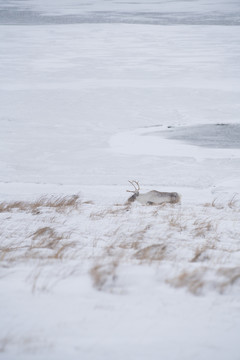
(82, 274)
(195, 240)
(84, 266)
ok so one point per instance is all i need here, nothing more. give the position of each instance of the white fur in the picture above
(153, 197)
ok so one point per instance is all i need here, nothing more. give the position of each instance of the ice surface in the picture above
(195, 12)
(67, 90)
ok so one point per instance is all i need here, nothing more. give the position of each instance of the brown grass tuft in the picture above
(216, 204)
(110, 211)
(59, 203)
(150, 253)
(231, 276)
(88, 202)
(202, 228)
(62, 251)
(45, 243)
(45, 237)
(201, 253)
(130, 245)
(139, 235)
(192, 280)
(48, 238)
(175, 221)
(104, 275)
(9, 206)
(233, 201)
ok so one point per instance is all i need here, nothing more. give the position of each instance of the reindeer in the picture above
(152, 197)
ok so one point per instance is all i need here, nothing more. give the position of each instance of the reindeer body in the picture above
(153, 197)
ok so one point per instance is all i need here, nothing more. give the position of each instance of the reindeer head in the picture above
(135, 192)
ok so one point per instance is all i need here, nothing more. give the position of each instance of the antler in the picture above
(133, 182)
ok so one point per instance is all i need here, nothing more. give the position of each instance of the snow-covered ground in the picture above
(85, 106)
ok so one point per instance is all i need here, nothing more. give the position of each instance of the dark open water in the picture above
(224, 136)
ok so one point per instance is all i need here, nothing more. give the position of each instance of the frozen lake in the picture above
(136, 12)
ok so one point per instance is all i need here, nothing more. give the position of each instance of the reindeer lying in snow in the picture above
(152, 197)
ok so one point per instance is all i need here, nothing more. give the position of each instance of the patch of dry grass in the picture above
(201, 228)
(216, 204)
(112, 211)
(9, 206)
(45, 243)
(9, 252)
(158, 208)
(44, 277)
(104, 275)
(231, 276)
(176, 221)
(45, 237)
(58, 203)
(140, 234)
(48, 238)
(202, 252)
(202, 278)
(233, 202)
(155, 252)
(128, 245)
(195, 236)
(134, 239)
(193, 280)
(88, 202)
